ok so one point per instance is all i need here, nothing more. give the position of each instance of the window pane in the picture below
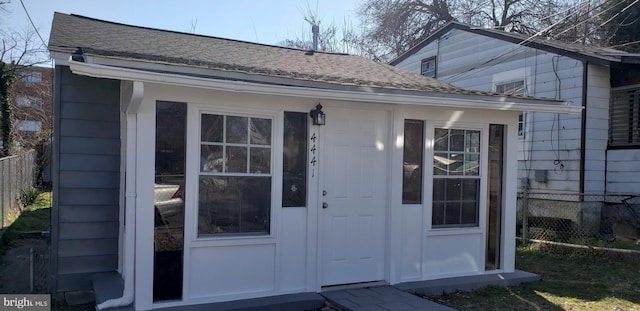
(441, 140)
(237, 130)
(438, 214)
(469, 214)
(260, 131)
(471, 162)
(438, 190)
(168, 203)
(455, 202)
(470, 189)
(453, 189)
(211, 159)
(456, 166)
(453, 213)
(472, 141)
(260, 160)
(412, 162)
(236, 159)
(441, 164)
(234, 205)
(457, 138)
(294, 166)
(458, 155)
(211, 128)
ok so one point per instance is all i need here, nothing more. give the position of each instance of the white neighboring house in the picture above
(596, 152)
(189, 167)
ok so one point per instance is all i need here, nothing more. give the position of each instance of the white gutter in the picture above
(446, 100)
(128, 269)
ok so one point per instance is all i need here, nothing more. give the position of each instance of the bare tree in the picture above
(19, 49)
(394, 26)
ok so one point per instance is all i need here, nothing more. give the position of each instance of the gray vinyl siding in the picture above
(477, 62)
(597, 128)
(623, 169)
(85, 217)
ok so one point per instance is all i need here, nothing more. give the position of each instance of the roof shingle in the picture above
(108, 39)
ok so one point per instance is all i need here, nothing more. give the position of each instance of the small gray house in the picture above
(574, 163)
(199, 169)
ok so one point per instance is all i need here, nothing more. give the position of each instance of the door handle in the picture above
(325, 205)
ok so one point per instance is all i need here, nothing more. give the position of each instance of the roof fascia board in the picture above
(600, 60)
(446, 28)
(442, 100)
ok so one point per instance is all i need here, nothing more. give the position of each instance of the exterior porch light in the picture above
(317, 115)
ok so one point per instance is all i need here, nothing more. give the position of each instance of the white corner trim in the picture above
(444, 100)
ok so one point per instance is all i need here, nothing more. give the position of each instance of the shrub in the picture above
(29, 196)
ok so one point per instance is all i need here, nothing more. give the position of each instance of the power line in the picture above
(32, 24)
(461, 75)
(624, 44)
(521, 43)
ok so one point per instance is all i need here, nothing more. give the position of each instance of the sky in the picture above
(261, 21)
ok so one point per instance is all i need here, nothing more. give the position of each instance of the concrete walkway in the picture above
(381, 298)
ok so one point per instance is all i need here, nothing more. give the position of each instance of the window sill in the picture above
(454, 231)
(235, 240)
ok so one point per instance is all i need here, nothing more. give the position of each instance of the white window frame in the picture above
(193, 154)
(429, 156)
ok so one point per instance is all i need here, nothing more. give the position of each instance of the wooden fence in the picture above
(16, 174)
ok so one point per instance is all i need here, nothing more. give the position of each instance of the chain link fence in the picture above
(39, 271)
(611, 221)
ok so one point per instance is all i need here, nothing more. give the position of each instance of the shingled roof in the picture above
(252, 60)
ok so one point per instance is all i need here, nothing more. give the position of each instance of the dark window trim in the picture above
(614, 111)
(435, 66)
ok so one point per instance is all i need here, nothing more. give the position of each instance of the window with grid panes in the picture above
(235, 175)
(456, 178)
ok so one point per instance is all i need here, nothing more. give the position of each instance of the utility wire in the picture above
(32, 24)
(460, 75)
(465, 74)
(610, 19)
(588, 19)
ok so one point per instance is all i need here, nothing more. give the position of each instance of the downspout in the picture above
(137, 91)
(583, 127)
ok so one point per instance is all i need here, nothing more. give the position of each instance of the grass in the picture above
(34, 218)
(571, 280)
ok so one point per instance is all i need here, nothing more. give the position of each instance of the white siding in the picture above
(623, 167)
(552, 142)
(596, 128)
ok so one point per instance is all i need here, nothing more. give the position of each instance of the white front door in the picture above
(354, 184)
